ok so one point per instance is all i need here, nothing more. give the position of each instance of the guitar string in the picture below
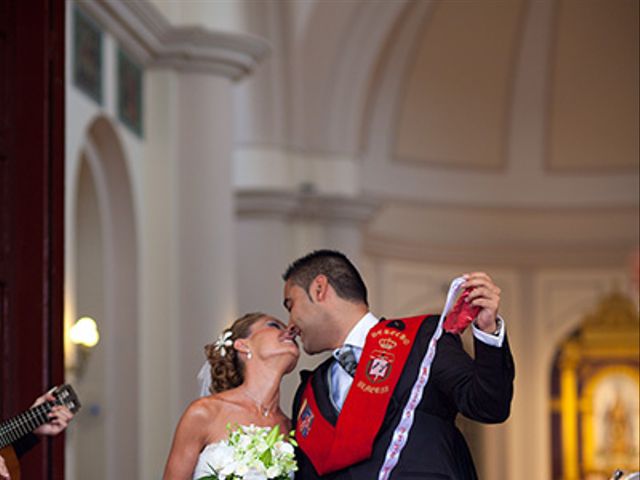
(10, 424)
(14, 427)
(17, 426)
(26, 416)
(24, 423)
(28, 421)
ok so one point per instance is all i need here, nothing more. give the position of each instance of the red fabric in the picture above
(351, 440)
(461, 315)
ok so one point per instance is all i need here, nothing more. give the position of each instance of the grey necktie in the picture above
(347, 359)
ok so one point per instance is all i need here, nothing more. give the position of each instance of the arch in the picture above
(333, 73)
(103, 163)
(524, 174)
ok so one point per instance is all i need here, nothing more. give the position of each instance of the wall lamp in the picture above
(84, 335)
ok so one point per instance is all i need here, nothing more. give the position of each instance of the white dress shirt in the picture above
(340, 381)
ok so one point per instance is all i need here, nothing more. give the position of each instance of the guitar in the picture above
(26, 422)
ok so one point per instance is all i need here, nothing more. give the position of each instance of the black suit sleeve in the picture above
(481, 388)
(24, 444)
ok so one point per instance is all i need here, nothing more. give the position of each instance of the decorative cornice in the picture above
(525, 256)
(147, 35)
(304, 205)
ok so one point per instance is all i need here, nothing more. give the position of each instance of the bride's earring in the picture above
(249, 355)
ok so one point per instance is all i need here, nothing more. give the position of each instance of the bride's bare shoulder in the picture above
(208, 417)
(205, 408)
(212, 406)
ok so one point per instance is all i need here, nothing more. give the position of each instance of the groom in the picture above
(379, 407)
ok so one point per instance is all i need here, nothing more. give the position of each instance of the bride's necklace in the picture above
(264, 411)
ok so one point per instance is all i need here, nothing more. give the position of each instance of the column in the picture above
(204, 222)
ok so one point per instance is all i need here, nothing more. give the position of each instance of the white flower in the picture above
(245, 441)
(221, 456)
(253, 475)
(251, 429)
(226, 469)
(284, 448)
(229, 469)
(241, 469)
(223, 342)
(273, 472)
(261, 445)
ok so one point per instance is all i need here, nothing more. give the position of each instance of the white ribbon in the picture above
(401, 433)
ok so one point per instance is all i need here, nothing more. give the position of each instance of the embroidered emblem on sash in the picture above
(306, 419)
(379, 367)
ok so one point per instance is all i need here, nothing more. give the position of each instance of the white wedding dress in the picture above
(209, 457)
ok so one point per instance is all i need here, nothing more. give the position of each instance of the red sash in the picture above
(383, 358)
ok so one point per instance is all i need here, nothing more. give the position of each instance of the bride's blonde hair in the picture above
(227, 368)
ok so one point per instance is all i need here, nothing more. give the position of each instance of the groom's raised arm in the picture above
(481, 388)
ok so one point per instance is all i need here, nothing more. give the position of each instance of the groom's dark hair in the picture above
(342, 275)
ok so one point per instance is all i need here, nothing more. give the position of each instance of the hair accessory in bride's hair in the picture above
(223, 342)
(204, 379)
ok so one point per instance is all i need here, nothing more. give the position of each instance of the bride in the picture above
(247, 364)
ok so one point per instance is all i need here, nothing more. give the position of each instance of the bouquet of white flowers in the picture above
(253, 453)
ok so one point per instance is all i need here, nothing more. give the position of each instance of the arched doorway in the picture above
(102, 281)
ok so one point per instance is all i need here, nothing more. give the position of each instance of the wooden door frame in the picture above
(32, 36)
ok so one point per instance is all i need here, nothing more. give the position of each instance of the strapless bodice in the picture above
(211, 457)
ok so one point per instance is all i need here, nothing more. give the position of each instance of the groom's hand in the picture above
(486, 295)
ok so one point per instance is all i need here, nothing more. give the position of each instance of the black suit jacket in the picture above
(480, 388)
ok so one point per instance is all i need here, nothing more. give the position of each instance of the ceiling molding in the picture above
(526, 256)
(309, 206)
(148, 36)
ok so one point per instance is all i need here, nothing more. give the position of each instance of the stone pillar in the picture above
(204, 223)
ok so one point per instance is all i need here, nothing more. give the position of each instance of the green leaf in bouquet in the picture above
(272, 438)
(267, 458)
(292, 438)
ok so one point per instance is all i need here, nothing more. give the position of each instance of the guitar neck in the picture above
(24, 423)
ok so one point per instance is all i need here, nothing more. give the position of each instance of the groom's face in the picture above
(304, 316)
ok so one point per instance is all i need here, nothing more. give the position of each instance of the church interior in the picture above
(208, 143)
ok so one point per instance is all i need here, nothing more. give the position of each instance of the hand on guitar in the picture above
(59, 417)
(49, 415)
(4, 471)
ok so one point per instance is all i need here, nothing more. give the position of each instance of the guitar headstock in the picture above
(65, 395)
